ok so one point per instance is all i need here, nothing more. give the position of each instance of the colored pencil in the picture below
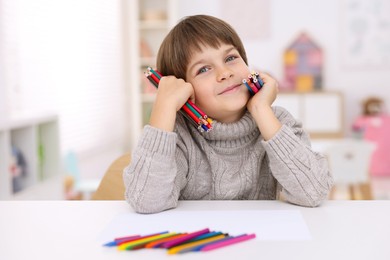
(244, 81)
(191, 114)
(177, 249)
(185, 238)
(253, 83)
(127, 245)
(154, 77)
(179, 243)
(197, 109)
(204, 236)
(157, 243)
(227, 242)
(121, 240)
(141, 243)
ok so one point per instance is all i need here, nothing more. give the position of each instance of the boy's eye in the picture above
(202, 70)
(230, 58)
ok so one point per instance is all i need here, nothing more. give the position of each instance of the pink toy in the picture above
(376, 128)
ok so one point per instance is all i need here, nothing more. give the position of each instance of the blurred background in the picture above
(73, 97)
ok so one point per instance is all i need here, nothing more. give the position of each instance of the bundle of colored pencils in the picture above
(253, 83)
(189, 109)
(179, 243)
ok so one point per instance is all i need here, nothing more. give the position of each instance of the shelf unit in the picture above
(149, 22)
(321, 112)
(36, 139)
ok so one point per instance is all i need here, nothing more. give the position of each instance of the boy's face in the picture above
(216, 76)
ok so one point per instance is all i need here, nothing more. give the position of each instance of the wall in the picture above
(325, 22)
(66, 56)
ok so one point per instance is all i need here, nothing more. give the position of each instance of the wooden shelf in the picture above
(145, 37)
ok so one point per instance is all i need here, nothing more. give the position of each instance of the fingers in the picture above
(268, 80)
(176, 91)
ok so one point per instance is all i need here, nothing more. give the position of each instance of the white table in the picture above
(68, 230)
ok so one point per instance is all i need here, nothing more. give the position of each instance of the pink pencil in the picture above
(177, 241)
(124, 238)
(227, 242)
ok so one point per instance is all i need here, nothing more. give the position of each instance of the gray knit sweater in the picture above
(231, 162)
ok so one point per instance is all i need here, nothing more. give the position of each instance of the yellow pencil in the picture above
(177, 249)
(144, 241)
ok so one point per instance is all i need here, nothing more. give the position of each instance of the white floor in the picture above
(381, 188)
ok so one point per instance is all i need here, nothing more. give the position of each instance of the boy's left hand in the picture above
(260, 107)
(266, 95)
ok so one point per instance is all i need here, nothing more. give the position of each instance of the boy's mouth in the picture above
(230, 89)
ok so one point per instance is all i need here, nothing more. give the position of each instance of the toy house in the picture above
(303, 61)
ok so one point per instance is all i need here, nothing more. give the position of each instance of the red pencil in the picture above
(197, 109)
(191, 114)
(154, 77)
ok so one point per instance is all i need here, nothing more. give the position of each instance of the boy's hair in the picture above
(188, 36)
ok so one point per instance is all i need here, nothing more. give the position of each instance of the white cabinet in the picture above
(320, 112)
(149, 21)
(29, 152)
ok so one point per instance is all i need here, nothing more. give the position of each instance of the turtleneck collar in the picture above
(236, 134)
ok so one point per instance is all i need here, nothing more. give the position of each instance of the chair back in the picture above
(349, 160)
(111, 186)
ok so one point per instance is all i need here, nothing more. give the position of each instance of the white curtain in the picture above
(67, 56)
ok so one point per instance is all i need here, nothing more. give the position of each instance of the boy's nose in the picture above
(224, 73)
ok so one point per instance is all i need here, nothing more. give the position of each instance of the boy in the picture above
(253, 152)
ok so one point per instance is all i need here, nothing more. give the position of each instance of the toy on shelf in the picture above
(303, 61)
(374, 125)
(18, 169)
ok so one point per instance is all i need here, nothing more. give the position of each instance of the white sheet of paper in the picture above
(266, 224)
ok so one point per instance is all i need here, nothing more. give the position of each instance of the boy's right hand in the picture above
(175, 91)
(172, 94)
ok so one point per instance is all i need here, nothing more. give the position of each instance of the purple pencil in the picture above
(227, 242)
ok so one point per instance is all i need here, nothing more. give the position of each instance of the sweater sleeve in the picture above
(151, 180)
(302, 173)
